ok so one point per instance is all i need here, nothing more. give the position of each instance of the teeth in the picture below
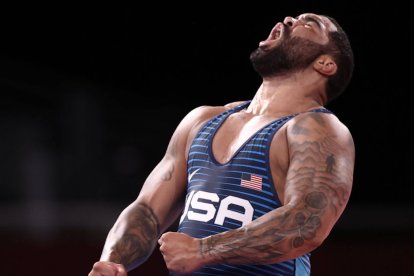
(278, 30)
(275, 35)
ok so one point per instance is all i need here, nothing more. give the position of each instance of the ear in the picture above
(325, 65)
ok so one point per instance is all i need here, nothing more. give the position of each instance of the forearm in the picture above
(133, 237)
(275, 237)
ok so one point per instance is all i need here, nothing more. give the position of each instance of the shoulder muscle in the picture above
(321, 156)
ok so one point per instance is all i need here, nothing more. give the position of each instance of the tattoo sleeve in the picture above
(133, 237)
(274, 237)
(318, 186)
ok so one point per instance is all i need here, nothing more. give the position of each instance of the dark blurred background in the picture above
(90, 96)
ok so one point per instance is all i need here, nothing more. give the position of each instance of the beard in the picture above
(291, 55)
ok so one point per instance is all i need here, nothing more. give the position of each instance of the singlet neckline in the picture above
(238, 108)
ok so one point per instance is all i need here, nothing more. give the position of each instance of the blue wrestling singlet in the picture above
(226, 196)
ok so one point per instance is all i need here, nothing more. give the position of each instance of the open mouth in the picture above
(274, 35)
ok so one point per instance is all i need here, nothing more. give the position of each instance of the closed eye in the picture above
(311, 21)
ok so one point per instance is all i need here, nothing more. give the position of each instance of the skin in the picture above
(312, 162)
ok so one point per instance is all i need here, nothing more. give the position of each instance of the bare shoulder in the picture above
(201, 114)
(234, 104)
(313, 126)
(321, 143)
(196, 118)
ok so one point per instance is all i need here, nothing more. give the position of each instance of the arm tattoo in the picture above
(298, 129)
(137, 237)
(168, 174)
(318, 182)
(173, 151)
(271, 237)
(330, 162)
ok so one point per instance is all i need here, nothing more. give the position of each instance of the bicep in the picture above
(164, 189)
(320, 173)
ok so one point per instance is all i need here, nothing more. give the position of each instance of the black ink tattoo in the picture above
(318, 118)
(299, 130)
(318, 187)
(168, 174)
(139, 236)
(330, 162)
(316, 200)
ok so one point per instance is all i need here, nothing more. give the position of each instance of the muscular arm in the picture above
(318, 186)
(133, 237)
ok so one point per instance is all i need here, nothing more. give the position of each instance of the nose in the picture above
(289, 21)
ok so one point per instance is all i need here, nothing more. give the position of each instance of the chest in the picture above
(236, 131)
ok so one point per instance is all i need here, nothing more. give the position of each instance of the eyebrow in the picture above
(312, 18)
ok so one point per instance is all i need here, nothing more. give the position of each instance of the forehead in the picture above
(325, 21)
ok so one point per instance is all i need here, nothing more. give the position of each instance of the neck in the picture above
(287, 95)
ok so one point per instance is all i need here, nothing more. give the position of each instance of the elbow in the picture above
(314, 243)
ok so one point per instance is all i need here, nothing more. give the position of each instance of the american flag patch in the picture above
(251, 181)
